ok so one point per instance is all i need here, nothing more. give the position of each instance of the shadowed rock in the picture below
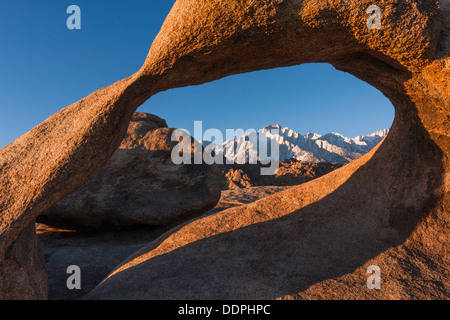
(388, 208)
(140, 185)
(24, 261)
(97, 253)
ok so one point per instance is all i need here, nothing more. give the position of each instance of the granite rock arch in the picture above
(404, 224)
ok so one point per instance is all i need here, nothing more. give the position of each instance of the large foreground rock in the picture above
(139, 185)
(25, 262)
(96, 253)
(317, 240)
(388, 208)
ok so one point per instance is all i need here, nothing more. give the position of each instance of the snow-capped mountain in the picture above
(312, 147)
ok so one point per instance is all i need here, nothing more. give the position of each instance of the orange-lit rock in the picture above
(388, 208)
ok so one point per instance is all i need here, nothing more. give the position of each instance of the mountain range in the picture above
(311, 147)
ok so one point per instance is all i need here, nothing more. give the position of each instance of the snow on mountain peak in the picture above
(312, 136)
(273, 126)
(379, 133)
(312, 147)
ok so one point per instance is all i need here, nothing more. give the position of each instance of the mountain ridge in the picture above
(312, 147)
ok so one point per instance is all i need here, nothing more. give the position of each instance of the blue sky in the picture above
(44, 67)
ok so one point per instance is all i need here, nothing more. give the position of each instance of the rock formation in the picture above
(139, 185)
(97, 253)
(24, 261)
(289, 173)
(388, 208)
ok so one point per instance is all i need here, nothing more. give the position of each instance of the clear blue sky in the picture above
(45, 67)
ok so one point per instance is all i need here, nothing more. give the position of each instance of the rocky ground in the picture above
(97, 253)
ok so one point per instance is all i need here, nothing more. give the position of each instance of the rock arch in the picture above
(387, 208)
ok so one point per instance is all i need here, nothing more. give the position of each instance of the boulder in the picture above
(139, 185)
(25, 261)
(235, 179)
